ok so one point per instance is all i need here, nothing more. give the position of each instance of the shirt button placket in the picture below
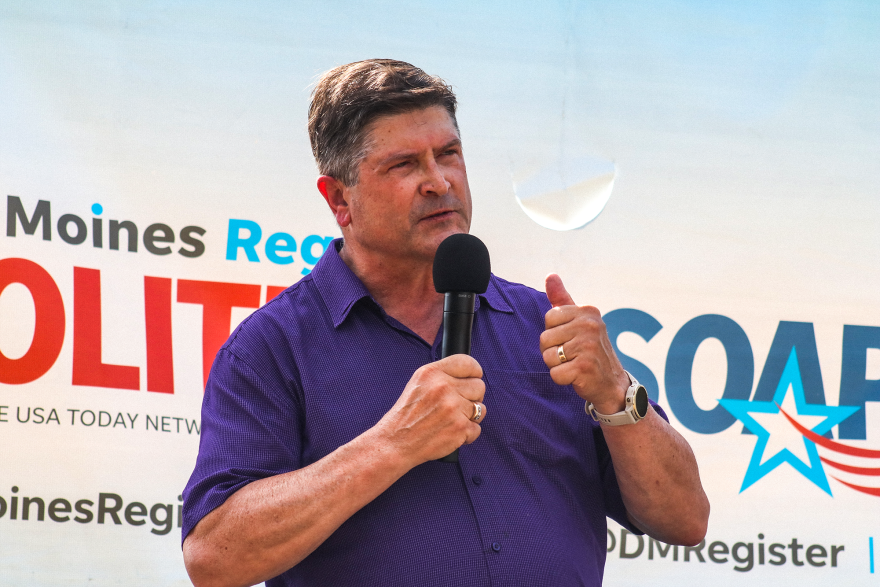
(484, 508)
(477, 480)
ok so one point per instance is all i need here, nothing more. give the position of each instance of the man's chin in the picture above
(432, 232)
(440, 235)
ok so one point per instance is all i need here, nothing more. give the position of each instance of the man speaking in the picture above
(327, 410)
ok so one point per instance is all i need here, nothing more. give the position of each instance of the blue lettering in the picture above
(646, 326)
(855, 388)
(280, 242)
(800, 337)
(306, 251)
(249, 244)
(680, 363)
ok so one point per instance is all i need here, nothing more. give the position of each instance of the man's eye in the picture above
(400, 165)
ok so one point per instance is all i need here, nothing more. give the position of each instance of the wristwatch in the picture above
(636, 406)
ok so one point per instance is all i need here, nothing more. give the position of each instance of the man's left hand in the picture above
(591, 366)
(655, 467)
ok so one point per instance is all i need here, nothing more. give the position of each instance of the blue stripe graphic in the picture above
(871, 552)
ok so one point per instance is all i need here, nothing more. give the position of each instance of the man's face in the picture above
(412, 189)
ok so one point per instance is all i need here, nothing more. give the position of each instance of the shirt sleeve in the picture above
(251, 429)
(614, 507)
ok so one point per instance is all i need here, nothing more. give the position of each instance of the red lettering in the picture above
(272, 291)
(160, 359)
(49, 324)
(217, 300)
(87, 366)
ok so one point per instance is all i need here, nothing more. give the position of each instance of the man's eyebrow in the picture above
(453, 143)
(400, 155)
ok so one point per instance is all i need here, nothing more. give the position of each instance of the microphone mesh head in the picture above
(462, 264)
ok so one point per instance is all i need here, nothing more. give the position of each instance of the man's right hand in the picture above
(433, 415)
(270, 525)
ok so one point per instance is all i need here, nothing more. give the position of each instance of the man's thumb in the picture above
(556, 292)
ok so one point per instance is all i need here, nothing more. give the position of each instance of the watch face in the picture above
(641, 403)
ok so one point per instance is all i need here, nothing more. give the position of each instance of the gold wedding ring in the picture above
(561, 354)
(478, 412)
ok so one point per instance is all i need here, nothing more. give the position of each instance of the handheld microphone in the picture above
(461, 271)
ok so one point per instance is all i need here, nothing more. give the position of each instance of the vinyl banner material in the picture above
(706, 174)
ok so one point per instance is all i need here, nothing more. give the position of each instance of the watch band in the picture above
(629, 415)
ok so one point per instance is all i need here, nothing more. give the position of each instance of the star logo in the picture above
(828, 416)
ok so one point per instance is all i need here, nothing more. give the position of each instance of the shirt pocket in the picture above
(537, 419)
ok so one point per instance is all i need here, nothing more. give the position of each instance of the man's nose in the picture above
(434, 183)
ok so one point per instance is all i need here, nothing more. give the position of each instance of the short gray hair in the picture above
(348, 98)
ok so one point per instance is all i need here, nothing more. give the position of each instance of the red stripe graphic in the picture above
(830, 444)
(873, 471)
(868, 490)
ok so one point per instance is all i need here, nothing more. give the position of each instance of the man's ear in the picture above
(334, 192)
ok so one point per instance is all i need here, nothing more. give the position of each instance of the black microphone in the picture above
(461, 271)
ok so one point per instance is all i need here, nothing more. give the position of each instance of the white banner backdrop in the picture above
(704, 174)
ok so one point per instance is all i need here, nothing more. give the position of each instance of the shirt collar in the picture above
(338, 285)
(341, 289)
(494, 298)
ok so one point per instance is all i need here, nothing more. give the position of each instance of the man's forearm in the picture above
(659, 480)
(270, 525)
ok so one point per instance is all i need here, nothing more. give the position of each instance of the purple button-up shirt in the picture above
(323, 362)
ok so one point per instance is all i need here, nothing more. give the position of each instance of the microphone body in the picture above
(458, 321)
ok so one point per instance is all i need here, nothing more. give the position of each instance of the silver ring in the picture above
(478, 412)
(561, 354)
